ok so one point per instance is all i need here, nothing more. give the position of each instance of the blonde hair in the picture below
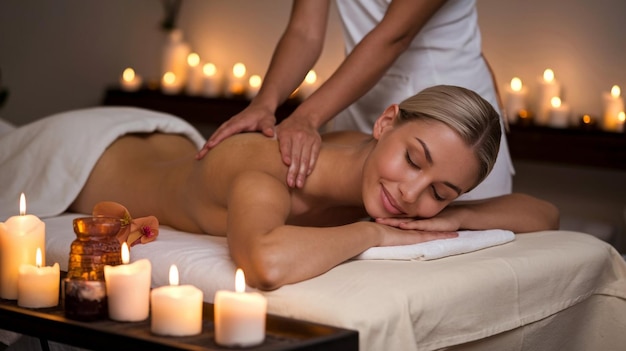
(463, 110)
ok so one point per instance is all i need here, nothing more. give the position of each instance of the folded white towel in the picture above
(467, 241)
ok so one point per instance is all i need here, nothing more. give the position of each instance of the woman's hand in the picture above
(252, 118)
(394, 235)
(448, 220)
(300, 144)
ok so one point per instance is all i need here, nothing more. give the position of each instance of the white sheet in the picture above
(50, 159)
(406, 305)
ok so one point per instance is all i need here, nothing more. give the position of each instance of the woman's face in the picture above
(416, 169)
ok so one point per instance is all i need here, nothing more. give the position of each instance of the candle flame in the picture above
(586, 119)
(621, 117)
(240, 281)
(38, 258)
(555, 102)
(311, 77)
(173, 275)
(239, 70)
(193, 59)
(255, 81)
(615, 91)
(128, 75)
(548, 75)
(209, 69)
(516, 84)
(22, 204)
(169, 78)
(125, 253)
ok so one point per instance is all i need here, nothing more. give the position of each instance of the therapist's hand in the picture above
(300, 144)
(251, 119)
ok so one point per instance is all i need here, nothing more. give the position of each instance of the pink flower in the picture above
(134, 231)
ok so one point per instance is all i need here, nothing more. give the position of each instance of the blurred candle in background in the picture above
(549, 87)
(170, 84)
(175, 51)
(559, 113)
(621, 119)
(515, 100)
(613, 104)
(237, 80)
(194, 74)
(130, 81)
(254, 84)
(309, 85)
(211, 84)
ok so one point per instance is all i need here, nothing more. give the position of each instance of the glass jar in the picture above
(95, 246)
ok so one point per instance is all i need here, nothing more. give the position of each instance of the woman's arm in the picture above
(517, 212)
(272, 253)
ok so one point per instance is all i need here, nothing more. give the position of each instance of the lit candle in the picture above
(236, 84)
(254, 84)
(515, 99)
(239, 316)
(210, 80)
(194, 76)
(170, 84)
(613, 105)
(559, 113)
(549, 87)
(129, 81)
(38, 286)
(587, 122)
(176, 310)
(20, 236)
(128, 288)
(621, 119)
(308, 86)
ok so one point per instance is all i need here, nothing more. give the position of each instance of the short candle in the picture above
(176, 310)
(128, 288)
(130, 81)
(38, 286)
(239, 316)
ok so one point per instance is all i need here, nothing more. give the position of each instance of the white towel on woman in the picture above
(467, 241)
(50, 159)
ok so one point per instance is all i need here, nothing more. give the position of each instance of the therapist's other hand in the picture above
(251, 119)
(300, 144)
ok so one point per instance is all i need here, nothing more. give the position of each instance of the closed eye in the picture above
(436, 194)
(410, 161)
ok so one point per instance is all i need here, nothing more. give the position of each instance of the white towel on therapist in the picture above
(467, 241)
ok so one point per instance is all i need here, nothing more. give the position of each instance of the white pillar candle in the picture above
(237, 80)
(309, 85)
(239, 316)
(549, 87)
(559, 114)
(175, 53)
(613, 105)
(254, 85)
(194, 74)
(38, 286)
(170, 84)
(515, 100)
(128, 288)
(129, 81)
(176, 309)
(20, 236)
(211, 83)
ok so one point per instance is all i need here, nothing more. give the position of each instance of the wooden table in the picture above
(50, 324)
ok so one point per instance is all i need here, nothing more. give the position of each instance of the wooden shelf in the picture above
(576, 147)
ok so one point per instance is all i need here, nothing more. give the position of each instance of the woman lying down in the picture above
(422, 154)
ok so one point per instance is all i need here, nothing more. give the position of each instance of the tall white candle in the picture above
(613, 105)
(211, 83)
(309, 85)
(239, 316)
(237, 80)
(515, 99)
(549, 87)
(254, 84)
(559, 114)
(194, 74)
(128, 288)
(20, 236)
(176, 309)
(38, 286)
(130, 81)
(175, 53)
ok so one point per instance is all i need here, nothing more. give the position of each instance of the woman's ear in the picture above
(385, 121)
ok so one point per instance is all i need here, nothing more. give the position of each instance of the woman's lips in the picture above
(389, 203)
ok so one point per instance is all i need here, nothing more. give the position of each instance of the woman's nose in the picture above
(412, 190)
